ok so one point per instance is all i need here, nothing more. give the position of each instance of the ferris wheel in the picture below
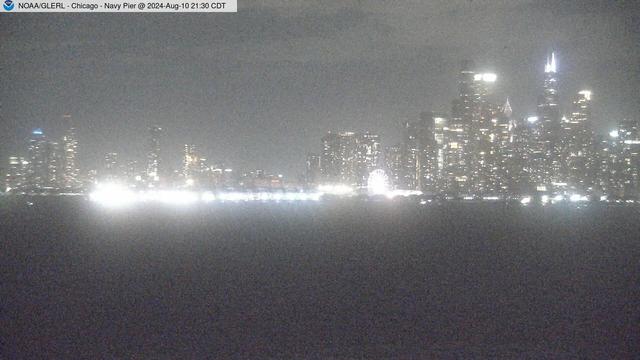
(378, 182)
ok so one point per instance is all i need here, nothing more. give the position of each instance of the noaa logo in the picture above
(8, 5)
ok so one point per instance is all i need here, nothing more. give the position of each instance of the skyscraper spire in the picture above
(551, 64)
(507, 109)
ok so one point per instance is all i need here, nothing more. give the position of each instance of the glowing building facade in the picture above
(110, 168)
(545, 156)
(71, 172)
(467, 140)
(419, 168)
(577, 147)
(16, 174)
(312, 170)
(43, 172)
(191, 167)
(153, 155)
(348, 157)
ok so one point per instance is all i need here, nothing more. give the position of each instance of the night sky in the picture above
(258, 88)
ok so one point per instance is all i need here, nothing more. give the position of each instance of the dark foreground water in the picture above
(324, 280)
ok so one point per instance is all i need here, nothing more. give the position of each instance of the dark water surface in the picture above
(322, 280)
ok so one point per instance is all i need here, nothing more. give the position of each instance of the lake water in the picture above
(319, 280)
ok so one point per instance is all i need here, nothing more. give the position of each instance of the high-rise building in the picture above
(546, 153)
(605, 157)
(71, 173)
(466, 150)
(420, 154)
(191, 163)
(577, 146)
(16, 174)
(131, 172)
(348, 158)
(548, 104)
(628, 166)
(500, 167)
(441, 124)
(43, 171)
(338, 153)
(110, 169)
(456, 170)
(510, 148)
(394, 160)
(312, 170)
(367, 157)
(153, 155)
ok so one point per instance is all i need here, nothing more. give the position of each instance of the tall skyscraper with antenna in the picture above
(546, 155)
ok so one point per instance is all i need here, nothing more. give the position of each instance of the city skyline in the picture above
(477, 150)
(550, 72)
(249, 93)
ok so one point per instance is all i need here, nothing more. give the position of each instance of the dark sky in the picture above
(258, 88)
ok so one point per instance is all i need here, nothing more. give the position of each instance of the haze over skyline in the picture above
(259, 88)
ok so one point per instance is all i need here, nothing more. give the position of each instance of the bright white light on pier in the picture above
(208, 196)
(335, 189)
(405, 193)
(490, 198)
(113, 195)
(174, 197)
(577, 198)
(486, 77)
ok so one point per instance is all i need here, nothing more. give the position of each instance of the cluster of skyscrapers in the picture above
(481, 150)
(50, 166)
(478, 150)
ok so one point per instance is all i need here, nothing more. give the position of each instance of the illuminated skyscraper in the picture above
(546, 159)
(577, 146)
(367, 157)
(441, 124)
(394, 159)
(466, 169)
(110, 169)
(456, 169)
(190, 163)
(153, 156)
(628, 164)
(348, 158)
(70, 175)
(16, 174)
(312, 170)
(338, 153)
(420, 163)
(43, 171)
(500, 168)
(481, 149)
